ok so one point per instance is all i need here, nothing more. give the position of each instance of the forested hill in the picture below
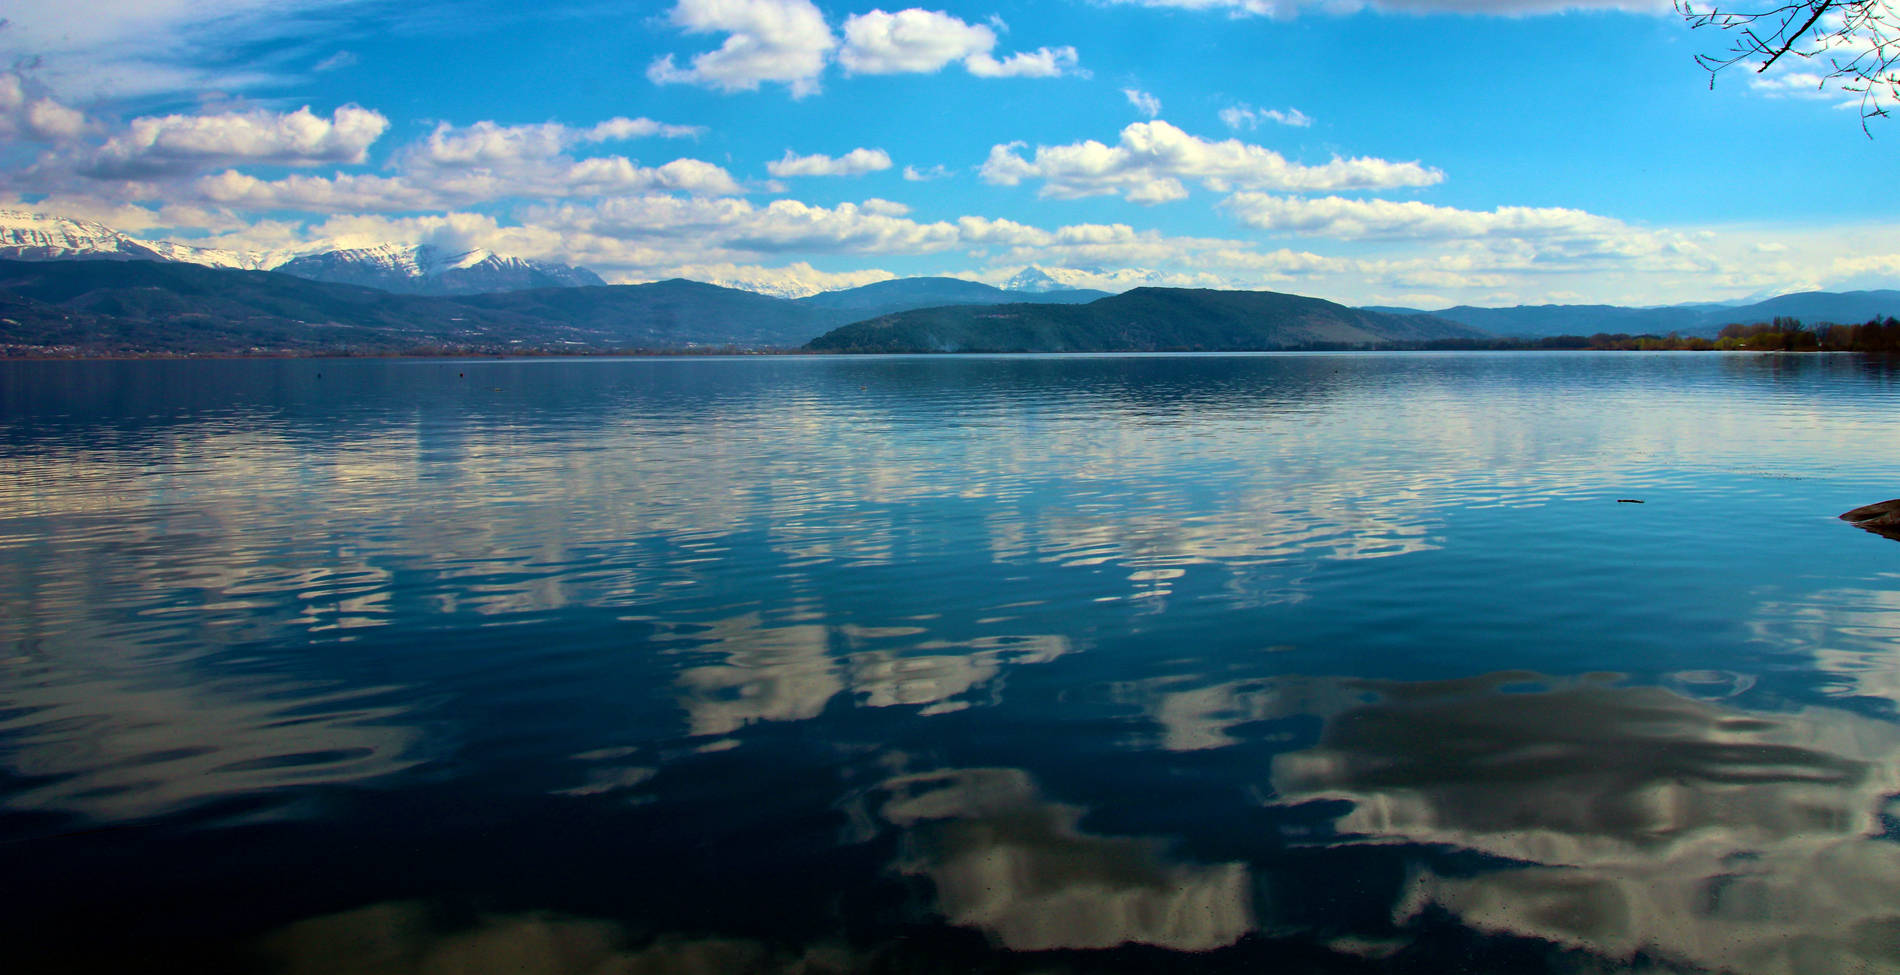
(1142, 320)
(139, 307)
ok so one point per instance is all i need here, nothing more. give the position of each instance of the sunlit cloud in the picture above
(177, 144)
(767, 41)
(857, 162)
(1153, 160)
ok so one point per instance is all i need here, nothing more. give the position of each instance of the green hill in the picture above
(1142, 320)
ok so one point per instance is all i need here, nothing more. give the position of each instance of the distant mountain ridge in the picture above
(557, 307)
(899, 294)
(1141, 320)
(144, 307)
(425, 269)
(1538, 321)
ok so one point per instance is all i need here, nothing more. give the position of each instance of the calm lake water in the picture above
(1276, 663)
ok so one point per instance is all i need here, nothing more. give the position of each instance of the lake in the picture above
(1507, 662)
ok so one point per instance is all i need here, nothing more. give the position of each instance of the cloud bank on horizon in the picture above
(1419, 152)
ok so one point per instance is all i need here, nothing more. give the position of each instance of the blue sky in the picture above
(1418, 152)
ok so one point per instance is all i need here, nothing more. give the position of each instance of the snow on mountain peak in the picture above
(422, 268)
(40, 236)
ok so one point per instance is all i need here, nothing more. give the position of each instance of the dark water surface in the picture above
(1275, 663)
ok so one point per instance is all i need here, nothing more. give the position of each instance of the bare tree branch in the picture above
(1853, 45)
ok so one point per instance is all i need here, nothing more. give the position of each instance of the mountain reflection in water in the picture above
(1270, 663)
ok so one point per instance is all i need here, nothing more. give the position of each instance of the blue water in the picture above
(1357, 662)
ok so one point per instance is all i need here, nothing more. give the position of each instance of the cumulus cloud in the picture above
(739, 226)
(1338, 217)
(918, 41)
(1245, 116)
(26, 112)
(915, 175)
(1152, 160)
(780, 41)
(1285, 9)
(487, 143)
(796, 280)
(1144, 103)
(487, 161)
(621, 128)
(913, 41)
(180, 144)
(857, 162)
(425, 188)
(343, 192)
(1044, 62)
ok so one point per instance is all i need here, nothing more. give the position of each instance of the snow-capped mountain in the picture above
(215, 257)
(40, 237)
(425, 269)
(1035, 279)
(405, 268)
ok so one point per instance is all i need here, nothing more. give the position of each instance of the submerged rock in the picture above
(1882, 518)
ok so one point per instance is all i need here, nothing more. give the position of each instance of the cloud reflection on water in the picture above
(1627, 819)
(1017, 866)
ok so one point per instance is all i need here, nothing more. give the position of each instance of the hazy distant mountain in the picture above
(1704, 319)
(1842, 308)
(1040, 281)
(672, 314)
(1142, 320)
(903, 294)
(424, 269)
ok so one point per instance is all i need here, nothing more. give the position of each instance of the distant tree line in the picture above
(1781, 335)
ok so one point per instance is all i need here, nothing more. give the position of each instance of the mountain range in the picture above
(146, 307)
(1703, 319)
(396, 268)
(79, 287)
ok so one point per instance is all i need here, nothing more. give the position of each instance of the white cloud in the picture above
(795, 280)
(910, 41)
(1044, 62)
(180, 144)
(918, 41)
(886, 208)
(1152, 159)
(486, 161)
(1285, 9)
(486, 143)
(343, 192)
(1245, 116)
(781, 41)
(1144, 103)
(738, 226)
(621, 128)
(117, 48)
(128, 217)
(32, 114)
(1346, 219)
(1807, 85)
(915, 175)
(857, 162)
(425, 188)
